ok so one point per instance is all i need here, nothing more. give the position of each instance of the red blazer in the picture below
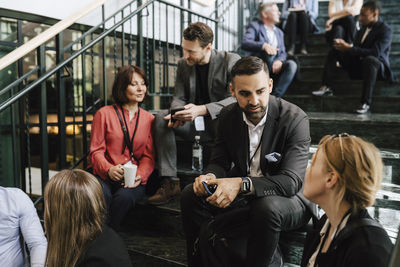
(107, 142)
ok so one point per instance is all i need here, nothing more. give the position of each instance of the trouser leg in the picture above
(106, 187)
(304, 27)
(268, 217)
(286, 76)
(123, 200)
(370, 67)
(194, 213)
(330, 66)
(165, 144)
(291, 29)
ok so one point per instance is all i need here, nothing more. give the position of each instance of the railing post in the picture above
(139, 55)
(216, 25)
(103, 42)
(182, 25)
(44, 152)
(21, 108)
(84, 122)
(240, 22)
(61, 102)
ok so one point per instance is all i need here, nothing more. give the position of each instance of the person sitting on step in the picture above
(74, 215)
(342, 20)
(121, 136)
(20, 228)
(367, 59)
(201, 90)
(299, 17)
(258, 163)
(264, 40)
(344, 176)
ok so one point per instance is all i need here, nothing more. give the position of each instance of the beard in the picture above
(253, 115)
(195, 61)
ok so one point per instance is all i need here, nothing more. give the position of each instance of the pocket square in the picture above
(273, 157)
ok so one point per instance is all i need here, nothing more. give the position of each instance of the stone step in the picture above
(343, 87)
(380, 129)
(347, 103)
(318, 59)
(315, 72)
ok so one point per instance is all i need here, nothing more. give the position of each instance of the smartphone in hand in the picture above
(210, 189)
(173, 111)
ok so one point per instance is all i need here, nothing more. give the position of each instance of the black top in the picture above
(106, 250)
(365, 246)
(202, 96)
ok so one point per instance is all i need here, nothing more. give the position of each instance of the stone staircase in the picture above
(154, 235)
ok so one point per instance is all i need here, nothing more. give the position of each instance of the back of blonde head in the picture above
(74, 214)
(358, 165)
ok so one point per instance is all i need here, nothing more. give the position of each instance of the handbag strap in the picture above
(127, 142)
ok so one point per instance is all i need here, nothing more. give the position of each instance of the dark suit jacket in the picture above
(286, 131)
(107, 250)
(221, 63)
(364, 247)
(377, 44)
(255, 37)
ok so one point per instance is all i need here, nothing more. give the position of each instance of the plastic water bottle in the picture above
(197, 155)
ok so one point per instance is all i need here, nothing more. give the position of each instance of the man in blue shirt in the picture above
(264, 40)
(18, 215)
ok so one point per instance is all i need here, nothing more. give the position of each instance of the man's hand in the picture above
(198, 187)
(116, 173)
(270, 50)
(277, 66)
(341, 45)
(175, 124)
(227, 191)
(191, 112)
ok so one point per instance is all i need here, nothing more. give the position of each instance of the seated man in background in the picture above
(18, 216)
(367, 59)
(201, 89)
(260, 156)
(264, 40)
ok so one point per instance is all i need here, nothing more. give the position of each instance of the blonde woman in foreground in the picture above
(74, 223)
(344, 176)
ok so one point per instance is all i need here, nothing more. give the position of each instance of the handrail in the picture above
(17, 96)
(28, 88)
(47, 34)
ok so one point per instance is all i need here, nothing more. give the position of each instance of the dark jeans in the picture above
(165, 144)
(284, 78)
(343, 28)
(268, 216)
(366, 69)
(119, 200)
(297, 22)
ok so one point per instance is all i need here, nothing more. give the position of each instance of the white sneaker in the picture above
(323, 90)
(364, 108)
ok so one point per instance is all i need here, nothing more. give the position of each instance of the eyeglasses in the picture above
(341, 142)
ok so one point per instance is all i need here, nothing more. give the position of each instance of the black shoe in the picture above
(364, 108)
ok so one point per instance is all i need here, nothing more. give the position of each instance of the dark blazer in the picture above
(377, 44)
(365, 247)
(286, 132)
(221, 63)
(107, 250)
(255, 37)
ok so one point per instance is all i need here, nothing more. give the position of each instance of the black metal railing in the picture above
(47, 110)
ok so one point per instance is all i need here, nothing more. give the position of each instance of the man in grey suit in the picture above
(259, 158)
(202, 89)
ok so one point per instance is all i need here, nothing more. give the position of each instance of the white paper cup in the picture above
(130, 174)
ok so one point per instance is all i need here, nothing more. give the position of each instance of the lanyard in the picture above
(128, 142)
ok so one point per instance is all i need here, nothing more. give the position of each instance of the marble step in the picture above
(343, 87)
(315, 72)
(318, 59)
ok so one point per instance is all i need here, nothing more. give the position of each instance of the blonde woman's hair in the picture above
(73, 215)
(358, 165)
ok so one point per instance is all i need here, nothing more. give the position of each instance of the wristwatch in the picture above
(246, 184)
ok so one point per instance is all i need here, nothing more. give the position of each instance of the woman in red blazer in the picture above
(110, 150)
